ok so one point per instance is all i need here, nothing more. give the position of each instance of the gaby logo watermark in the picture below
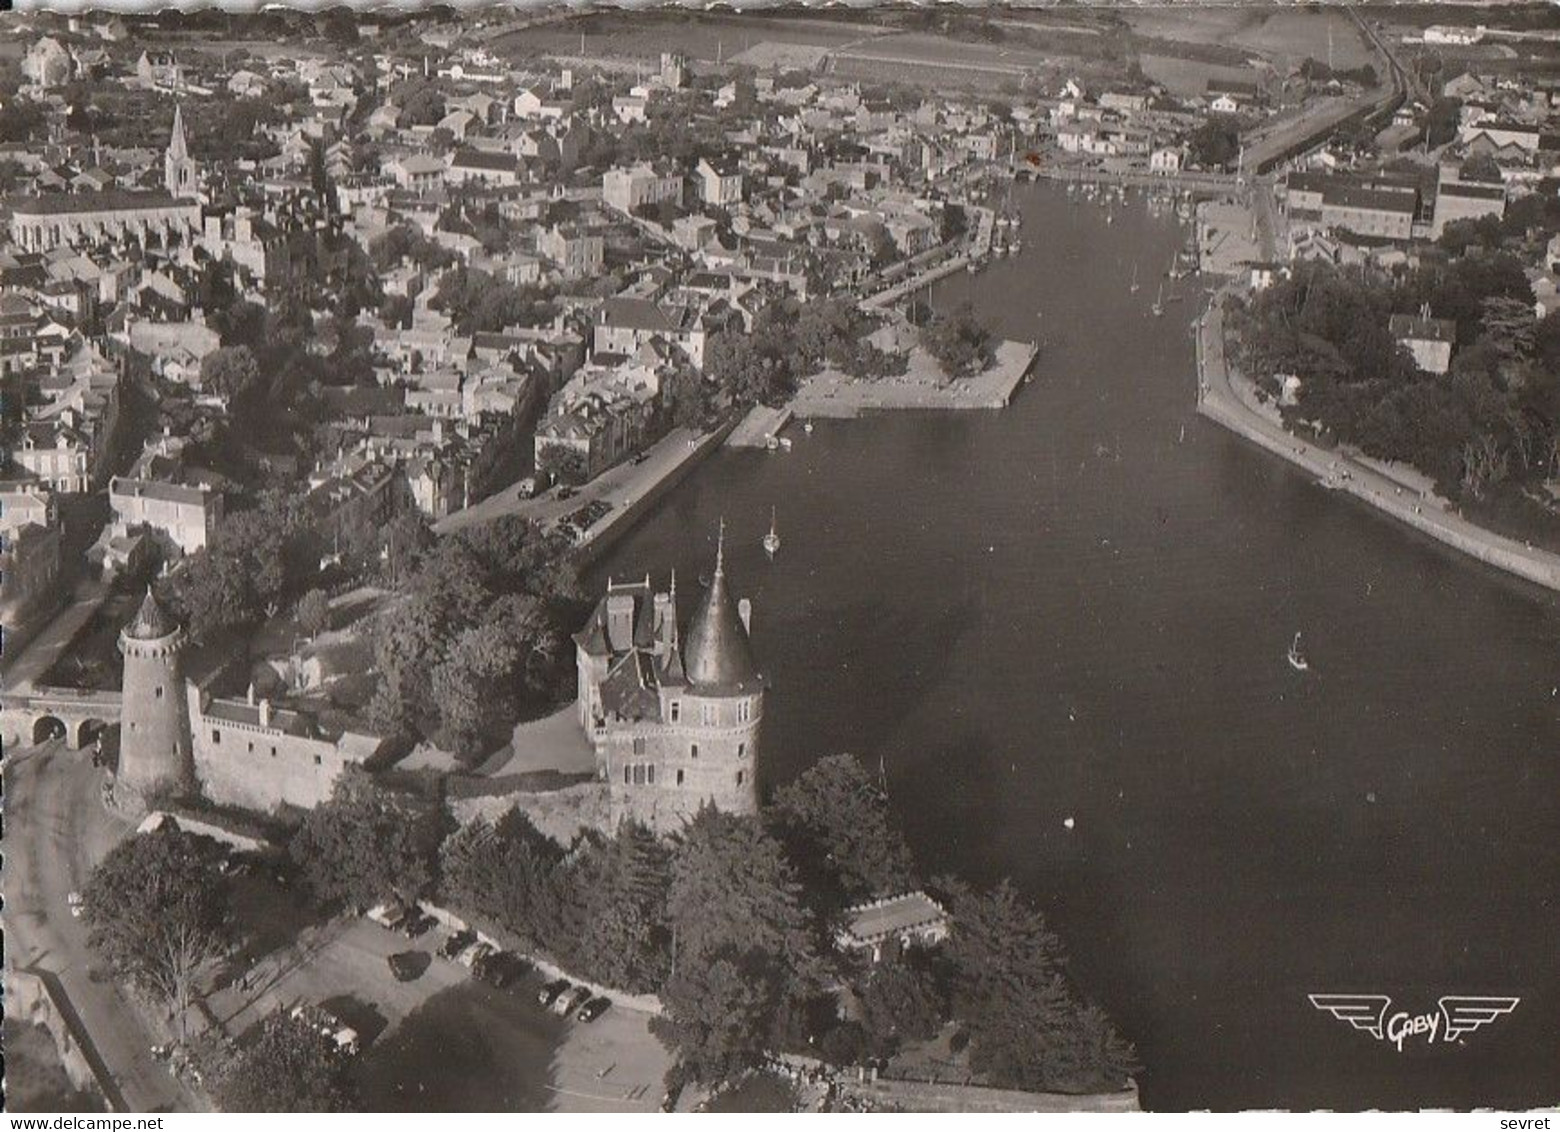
(1458, 1015)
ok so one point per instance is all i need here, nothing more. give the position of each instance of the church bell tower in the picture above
(179, 172)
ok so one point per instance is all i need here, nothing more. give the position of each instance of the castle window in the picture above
(741, 750)
(740, 776)
(625, 774)
(744, 710)
(273, 750)
(676, 710)
(158, 692)
(639, 745)
(639, 774)
(316, 760)
(650, 774)
(251, 746)
(709, 714)
(216, 736)
(693, 750)
(679, 778)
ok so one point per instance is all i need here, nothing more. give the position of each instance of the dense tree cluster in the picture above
(1215, 144)
(368, 843)
(157, 910)
(789, 342)
(731, 921)
(476, 301)
(259, 561)
(1493, 418)
(1028, 1028)
(479, 636)
(958, 341)
(289, 1067)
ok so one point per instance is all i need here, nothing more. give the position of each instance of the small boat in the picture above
(1297, 659)
(772, 539)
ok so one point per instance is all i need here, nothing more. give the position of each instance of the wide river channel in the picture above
(1079, 607)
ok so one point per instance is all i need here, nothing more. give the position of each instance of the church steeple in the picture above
(179, 173)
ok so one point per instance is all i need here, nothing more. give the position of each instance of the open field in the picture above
(697, 36)
(1286, 36)
(1190, 76)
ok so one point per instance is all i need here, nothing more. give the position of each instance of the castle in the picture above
(175, 737)
(674, 721)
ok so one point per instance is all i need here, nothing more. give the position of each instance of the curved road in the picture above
(1231, 404)
(56, 829)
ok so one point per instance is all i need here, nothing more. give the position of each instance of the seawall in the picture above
(1219, 402)
(620, 519)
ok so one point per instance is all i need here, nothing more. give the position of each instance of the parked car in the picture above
(474, 955)
(566, 492)
(406, 965)
(386, 915)
(594, 1009)
(553, 991)
(569, 1003)
(498, 968)
(416, 924)
(457, 942)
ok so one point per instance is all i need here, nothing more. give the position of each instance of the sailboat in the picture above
(1159, 303)
(772, 539)
(1297, 659)
(1134, 287)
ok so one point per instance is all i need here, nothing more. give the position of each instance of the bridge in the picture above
(33, 714)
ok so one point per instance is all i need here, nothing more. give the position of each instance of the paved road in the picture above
(44, 649)
(56, 829)
(619, 485)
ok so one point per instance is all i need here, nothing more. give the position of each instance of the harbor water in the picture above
(1079, 608)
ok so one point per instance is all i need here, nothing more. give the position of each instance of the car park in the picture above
(553, 991)
(594, 1009)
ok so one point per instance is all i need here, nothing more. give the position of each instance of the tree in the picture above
(1480, 167)
(717, 1014)
(313, 612)
(290, 1067)
(1216, 143)
(230, 370)
(1027, 1028)
(958, 342)
(900, 1002)
(564, 463)
(472, 687)
(157, 910)
(836, 825)
(368, 843)
(741, 944)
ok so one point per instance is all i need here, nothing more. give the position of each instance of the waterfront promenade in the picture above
(1226, 398)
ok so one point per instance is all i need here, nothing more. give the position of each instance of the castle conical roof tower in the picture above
(150, 623)
(718, 653)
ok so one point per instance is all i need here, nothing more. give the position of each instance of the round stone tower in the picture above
(154, 741)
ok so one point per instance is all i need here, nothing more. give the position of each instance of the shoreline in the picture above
(1220, 401)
